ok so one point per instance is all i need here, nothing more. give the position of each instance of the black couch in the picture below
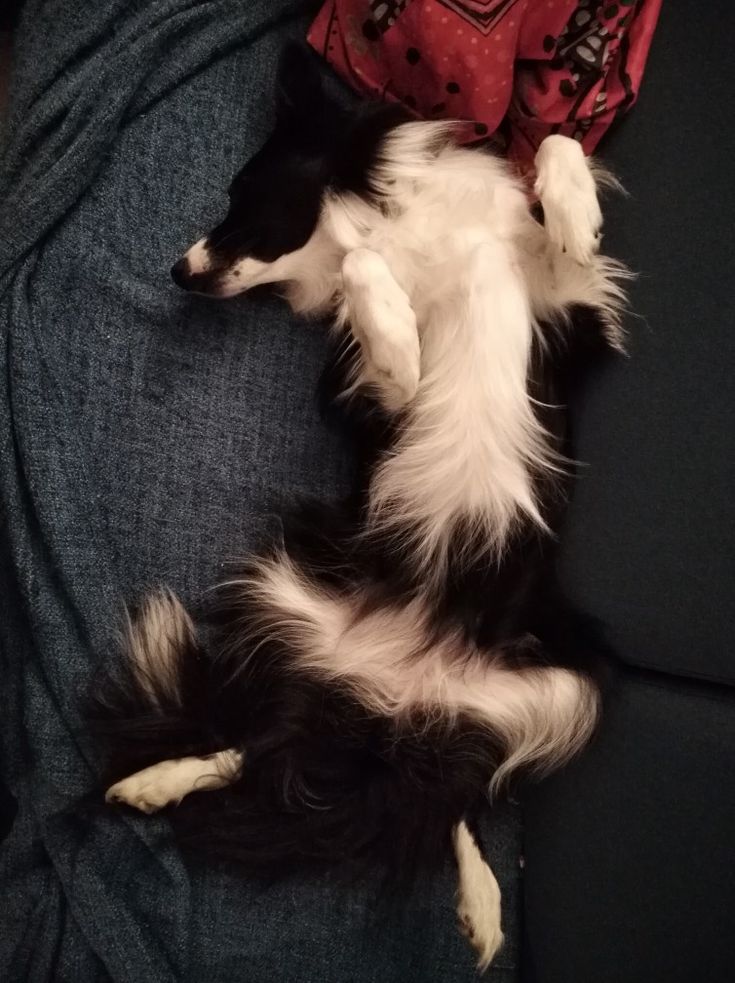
(630, 852)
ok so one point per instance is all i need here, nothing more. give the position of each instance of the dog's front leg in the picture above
(566, 187)
(384, 324)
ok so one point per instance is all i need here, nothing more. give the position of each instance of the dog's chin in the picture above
(217, 293)
(229, 287)
(215, 288)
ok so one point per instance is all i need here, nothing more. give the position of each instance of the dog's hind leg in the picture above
(167, 782)
(478, 898)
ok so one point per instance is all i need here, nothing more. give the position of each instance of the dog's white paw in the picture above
(148, 790)
(384, 324)
(168, 782)
(392, 356)
(478, 899)
(478, 917)
(566, 188)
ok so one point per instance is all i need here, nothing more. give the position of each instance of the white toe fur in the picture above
(565, 185)
(168, 782)
(478, 899)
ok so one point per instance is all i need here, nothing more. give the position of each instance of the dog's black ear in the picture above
(298, 82)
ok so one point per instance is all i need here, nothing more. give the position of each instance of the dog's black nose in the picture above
(180, 273)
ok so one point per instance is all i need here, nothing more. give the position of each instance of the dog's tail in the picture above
(152, 704)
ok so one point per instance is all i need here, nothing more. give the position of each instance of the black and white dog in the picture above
(391, 662)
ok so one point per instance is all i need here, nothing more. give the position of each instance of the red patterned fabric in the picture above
(517, 69)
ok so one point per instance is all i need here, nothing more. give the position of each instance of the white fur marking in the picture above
(167, 782)
(153, 643)
(198, 257)
(478, 901)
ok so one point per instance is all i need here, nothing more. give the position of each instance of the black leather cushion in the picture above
(651, 538)
(630, 852)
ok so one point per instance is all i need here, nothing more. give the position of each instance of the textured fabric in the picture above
(629, 852)
(146, 438)
(515, 69)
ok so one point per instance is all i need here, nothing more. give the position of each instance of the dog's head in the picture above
(276, 199)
